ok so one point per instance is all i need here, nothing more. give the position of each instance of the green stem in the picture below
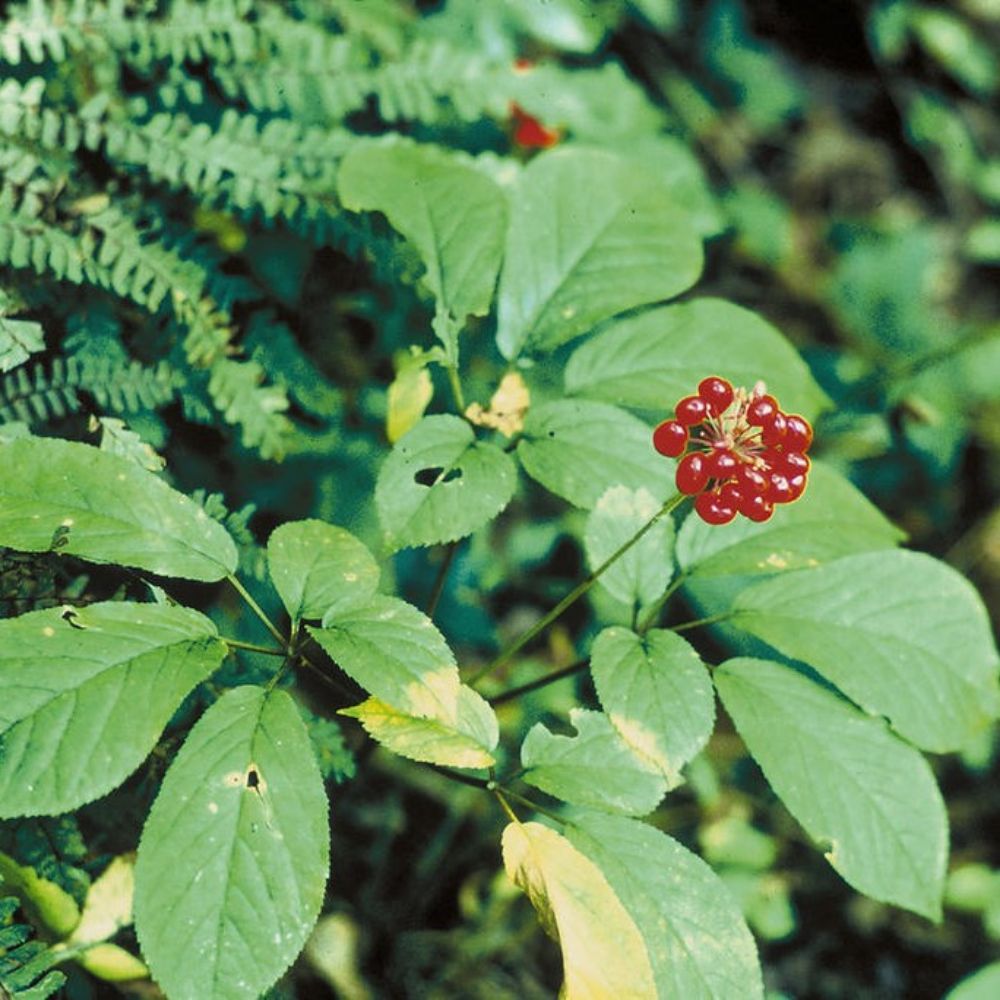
(649, 619)
(539, 682)
(708, 620)
(257, 610)
(534, 806)
(442, 576)
(456, 387)
(253, 647)
(576, 593)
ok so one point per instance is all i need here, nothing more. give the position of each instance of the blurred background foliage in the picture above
(842, 160)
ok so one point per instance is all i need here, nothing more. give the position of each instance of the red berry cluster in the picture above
(743, 454)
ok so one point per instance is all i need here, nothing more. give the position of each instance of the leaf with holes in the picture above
(72, 679)
(591, 235)
(696, 938)
(596, 767)
(651, 360)
(467, 740)
(394, 652)
(642, 574)
(657, 694)
(577, 449)
(234, 856)
(603, 952)
(900, 633)
(440, 483)
(453, 214)
(869, 798)
(60, 495)
(832, 519)
(320, 569)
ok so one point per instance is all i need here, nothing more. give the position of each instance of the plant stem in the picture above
(539, 682)
(534, 806)
(649, 619)
(253, 647)
(505, 806)
(456, 387)
(442, 576)
(708, 620)
(577, 592)
(257, 610)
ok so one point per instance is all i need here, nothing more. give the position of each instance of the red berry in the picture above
(692, 475)
(761, 410)
(721, 464)
(798, 433)
(793, 463)
(751, 480)
(731, 494)
(779, 490)
(691, 410)
(712, 509)
(756, 508)
(717, 392)
(796, 485)
(772, 430)
(670, 438)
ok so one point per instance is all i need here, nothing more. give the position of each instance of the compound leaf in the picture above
(832, 519)
(596, 767)
(233, 859)
(651, 360)
(604, 954)
(698, 944)
(439, 483)
(860, 791)
(394, 651)
(900, 633)
(87, 692)
(318, 568)
(591, 235)
(467, 740)
(657, 694)
(102, 507)
(577, 449)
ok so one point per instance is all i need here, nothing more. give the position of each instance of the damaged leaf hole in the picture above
(433, 475)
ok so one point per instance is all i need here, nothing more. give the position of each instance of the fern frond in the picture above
(50, 392)
(25, 963)
(238, 393)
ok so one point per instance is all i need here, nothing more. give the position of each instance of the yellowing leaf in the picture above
(112, 964)
(108, 906)
(604, 955)
(409, 394)
(508, 406)
(44, 901)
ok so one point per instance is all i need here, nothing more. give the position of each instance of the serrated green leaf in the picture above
(440, 483)
(394, 651)
(72, 680)
(698, 944)
(233, 859)
(591, 235)
(453, 214)
(604, 954)
(467, 740)
(101, 507)
(832, 519)
(320, 569)
(596, 767)
(642, 574)
(981, 985)
(657, 694)
(900, 633)
(652, 360)
(866, 796)
(577, 449)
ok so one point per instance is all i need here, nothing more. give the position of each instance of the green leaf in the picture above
(591, 235)
(320, 569)
(832, 519)
(642, 574)
(652, 360)
(104, 508)
(900, 633)
(577, 449)
(604, 954)
(865, 795)
(454, 216)
(394, 652)
(440, 483)
(234, 856)
(657, 694)
(982, 985)
(698, 944)
(19, 339)
(87, 692)
(596, 767)
(467, 740)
